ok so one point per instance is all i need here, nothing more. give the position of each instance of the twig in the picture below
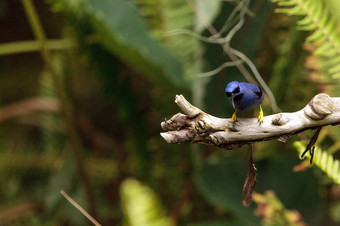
(28, 106)
(234, 54)
(86, 214)
(200, 127)
(219, 69)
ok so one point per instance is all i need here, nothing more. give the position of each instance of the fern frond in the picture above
(316, 18)
(323, 160)
(168, 15)
(52, 125)
(141, 206)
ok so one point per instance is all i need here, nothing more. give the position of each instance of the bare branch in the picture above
(199, 127)
(28, 106)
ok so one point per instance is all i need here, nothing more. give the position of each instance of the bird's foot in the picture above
(234, 118)
(260, 117)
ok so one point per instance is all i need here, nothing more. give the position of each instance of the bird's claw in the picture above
(234, 118)
(260, 117)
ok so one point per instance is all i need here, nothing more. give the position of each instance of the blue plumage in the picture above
(244, 96)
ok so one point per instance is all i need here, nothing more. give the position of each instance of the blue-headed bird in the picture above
(244, 96)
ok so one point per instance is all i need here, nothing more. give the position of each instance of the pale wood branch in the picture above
(197, 126)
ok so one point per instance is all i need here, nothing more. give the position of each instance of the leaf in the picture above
(323, 160)
(177, 14)
(250, 183)
(141, 206)
(206, 12)
(120, 29)
(311, 145)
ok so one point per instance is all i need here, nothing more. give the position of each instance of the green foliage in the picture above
(141, 205)
(316, 18)
(324, 42)
(168, 18)
(118, 27)
(214, 181)
(177, 14)
(117, 81)
(120, 81)
(288, 63)
(323, 160)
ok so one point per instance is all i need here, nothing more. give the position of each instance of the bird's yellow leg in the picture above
(260, 118)
(234, 117)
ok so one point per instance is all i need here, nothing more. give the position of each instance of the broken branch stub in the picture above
(197, 126)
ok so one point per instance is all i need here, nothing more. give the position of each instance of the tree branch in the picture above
(197, 126)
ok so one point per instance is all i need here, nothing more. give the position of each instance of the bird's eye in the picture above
(228, 94)
(237, 90)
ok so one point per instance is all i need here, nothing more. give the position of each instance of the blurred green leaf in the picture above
(166, 18)
(322, 159)
(141, 205)
(206, 13)
(120, 29)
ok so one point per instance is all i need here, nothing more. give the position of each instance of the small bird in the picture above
(244, 96)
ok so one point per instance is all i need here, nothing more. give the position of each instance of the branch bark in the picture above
(197, 126)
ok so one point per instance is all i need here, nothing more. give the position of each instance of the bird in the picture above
(244, 97)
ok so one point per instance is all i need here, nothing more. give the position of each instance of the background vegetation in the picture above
(85, 85)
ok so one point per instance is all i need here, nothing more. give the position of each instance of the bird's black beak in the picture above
(232, 100)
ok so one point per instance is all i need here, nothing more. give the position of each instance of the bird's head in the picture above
(232, 90)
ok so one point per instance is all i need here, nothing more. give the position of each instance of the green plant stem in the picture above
(33, 45)
(67, 110)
